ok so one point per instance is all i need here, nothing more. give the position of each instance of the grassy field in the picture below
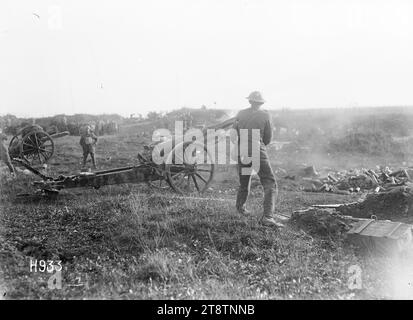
(133, 242)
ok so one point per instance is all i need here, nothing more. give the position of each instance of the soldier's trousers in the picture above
(88, 149)
(268, 183)
(92, 156)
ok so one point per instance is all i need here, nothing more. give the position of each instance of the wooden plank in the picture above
(393, 230)
(360, 227)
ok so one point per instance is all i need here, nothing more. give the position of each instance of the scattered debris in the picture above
(353, 181)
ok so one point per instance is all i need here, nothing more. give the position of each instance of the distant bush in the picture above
(398, 125)
(365, 142)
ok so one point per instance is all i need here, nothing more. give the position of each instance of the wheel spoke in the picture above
(42, 155)
(27, 144)
(181, 180)
(196, 183)
(30, 138)
(45, 155)
(28, 148)
(188, 183)
(177, 177)
(44, 150)
(37, 141)
(178, 174)
(201, 177)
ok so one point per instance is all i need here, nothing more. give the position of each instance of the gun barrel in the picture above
(60, 134)
(222, 125)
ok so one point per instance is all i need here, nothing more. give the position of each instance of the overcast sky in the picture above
(95, 56)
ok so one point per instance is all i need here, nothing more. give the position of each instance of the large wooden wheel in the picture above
(36, 148)
(191, 172)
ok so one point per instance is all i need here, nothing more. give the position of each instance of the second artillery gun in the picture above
(32, 145)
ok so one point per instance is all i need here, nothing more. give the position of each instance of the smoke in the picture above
(228, 115)
(400, 278)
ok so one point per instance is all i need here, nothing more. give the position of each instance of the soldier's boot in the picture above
(270, 195)
(93, 160)
(242, 197)
(244, 211)
(271, 222)
(243, 192)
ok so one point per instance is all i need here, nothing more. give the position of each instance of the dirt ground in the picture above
(133, 242)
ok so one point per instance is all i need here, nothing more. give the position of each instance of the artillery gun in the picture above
(33, 145)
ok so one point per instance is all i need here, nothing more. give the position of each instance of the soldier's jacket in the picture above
(88, 141)
(255, 119)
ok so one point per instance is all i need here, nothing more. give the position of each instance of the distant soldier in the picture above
(4, 153)
(254, 118)
(99, 128)
(88, 141)
(187, 121)
(114, 127)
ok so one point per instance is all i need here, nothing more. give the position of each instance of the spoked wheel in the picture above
(192, 171)
(36, 148)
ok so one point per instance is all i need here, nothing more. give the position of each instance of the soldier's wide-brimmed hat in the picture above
(256, 96)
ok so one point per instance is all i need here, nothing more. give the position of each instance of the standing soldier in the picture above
(88, 141)
(254, 118)
(4, 153)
